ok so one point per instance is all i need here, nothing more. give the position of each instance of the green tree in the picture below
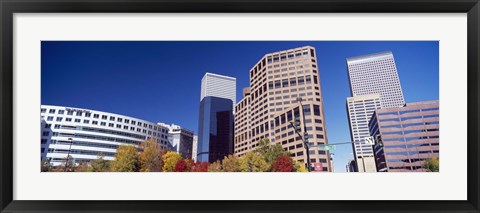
(431, 165)
(126, 159)
(215, 167)
(271, 152)
(230, 164)
(99, 165)
(299, 167)
(150, 156)
(253, 162)
(170, 159)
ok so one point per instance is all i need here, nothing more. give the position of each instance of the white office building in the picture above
(374, 84)
(181, 139)
(360, 109)
(376, 74)
(86, 134)
(219, 86)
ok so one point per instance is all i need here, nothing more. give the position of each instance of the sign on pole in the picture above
(327, 147)
(368, 140)
(317, 167)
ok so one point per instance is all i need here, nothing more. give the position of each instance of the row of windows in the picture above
(292, 82)
(103, 117)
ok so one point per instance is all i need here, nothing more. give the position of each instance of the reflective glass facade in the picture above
(215, 129)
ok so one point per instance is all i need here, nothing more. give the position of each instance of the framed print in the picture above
(239, 106)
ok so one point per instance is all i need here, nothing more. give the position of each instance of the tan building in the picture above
(242, 124)
(267, 109)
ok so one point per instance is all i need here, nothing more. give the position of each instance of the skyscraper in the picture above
(374, 84)
(376, 74)
(360, 109)
(215, 129)
(215, 124)
(276, 81)
(219, 86)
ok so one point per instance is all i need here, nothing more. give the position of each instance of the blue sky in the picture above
(160, 81)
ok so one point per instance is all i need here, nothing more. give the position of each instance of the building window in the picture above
(43, 110)
(112, 118)
(68, 119)
(96, 115)
(45, 133)
(103, 123)
(50, 118)
(60, 112)
(104, 117)
(79, 113)
(51, 111)
(119, 119)
(110, 124)
(59, 118)
(77, 120)
(86, 121)
(94, 122)
(87, 114)
(70, 112)
(316, 110)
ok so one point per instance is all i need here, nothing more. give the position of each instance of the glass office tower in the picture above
(215, 129)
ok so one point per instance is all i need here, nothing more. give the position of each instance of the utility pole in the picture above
(304, 137)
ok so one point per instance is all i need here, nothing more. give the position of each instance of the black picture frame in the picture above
(9, 7)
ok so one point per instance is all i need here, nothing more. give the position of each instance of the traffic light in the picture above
(297, 124)
(379, 141)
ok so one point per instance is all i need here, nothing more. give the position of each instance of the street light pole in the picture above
(304, 137)
(68, 155)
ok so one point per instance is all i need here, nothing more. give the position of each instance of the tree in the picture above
(215, 166)
(170, 160)
(99, 165)
(431, 165)
(271, 152)
(46, 165)
(253, 162)
(126, 159)
(150, 156)
(299, 167)
(282, 164)
(183, 166)
(68, 165)
(200, 167)
(82, 167)
(230, 164)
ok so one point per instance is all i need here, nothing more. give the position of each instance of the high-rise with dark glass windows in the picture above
(215, 124)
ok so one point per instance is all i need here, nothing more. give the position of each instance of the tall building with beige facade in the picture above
(277, 80)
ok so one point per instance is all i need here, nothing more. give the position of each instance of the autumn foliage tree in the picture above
(126, 159)
(253, 162)
(270, 152)
(431, 165)
(183, 166)
(170, 159)
(282, 164)
(200, 167)
(150, 156)
(99, 165)
(215, 166)
(230, 164)
(299, 167)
